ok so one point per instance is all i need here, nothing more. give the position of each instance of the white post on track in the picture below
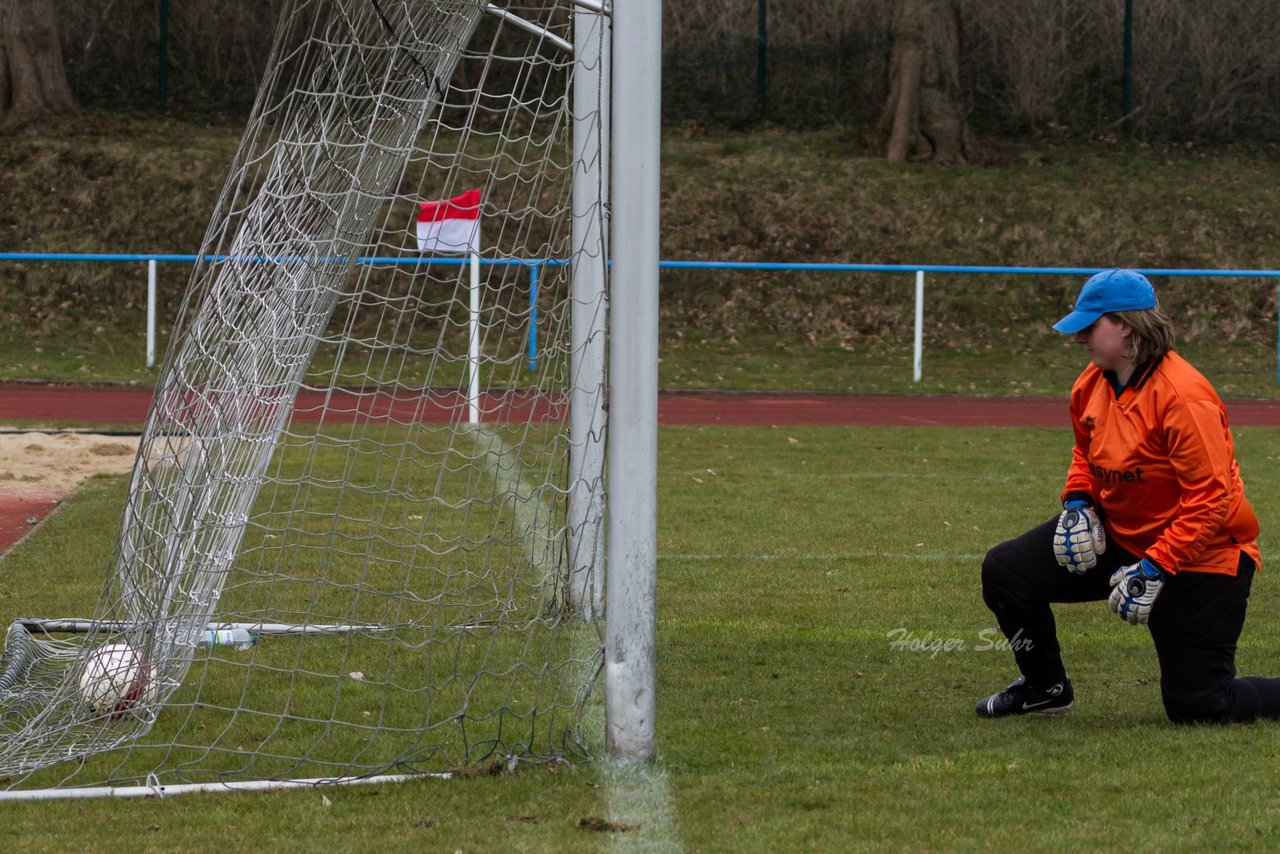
(631, 585)
(151, 313)
(588, 310)
(918, 363)
(473, 346)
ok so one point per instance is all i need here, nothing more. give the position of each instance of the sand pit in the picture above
(38, 470)
(59, 462)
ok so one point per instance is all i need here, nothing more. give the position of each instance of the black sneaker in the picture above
(1023, 699)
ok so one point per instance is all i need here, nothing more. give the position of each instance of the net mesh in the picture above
(321, 467)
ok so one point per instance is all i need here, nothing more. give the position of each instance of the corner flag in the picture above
(452, 225)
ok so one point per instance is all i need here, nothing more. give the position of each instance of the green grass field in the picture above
(821, 642)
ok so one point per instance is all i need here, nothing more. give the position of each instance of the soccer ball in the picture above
(117, 679)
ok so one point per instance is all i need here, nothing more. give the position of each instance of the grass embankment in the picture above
(117, 186)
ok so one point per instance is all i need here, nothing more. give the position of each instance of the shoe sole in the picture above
(1056, 710)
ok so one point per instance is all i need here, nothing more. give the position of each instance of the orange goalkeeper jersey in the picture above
(1160, 463)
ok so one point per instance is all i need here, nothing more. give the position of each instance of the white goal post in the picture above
(363, 538)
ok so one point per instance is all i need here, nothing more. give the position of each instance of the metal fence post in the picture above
(918, 366)
(151, 313)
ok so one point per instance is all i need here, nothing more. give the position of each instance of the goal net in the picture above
(361, 531)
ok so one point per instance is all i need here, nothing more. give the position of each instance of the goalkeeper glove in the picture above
(1080, 537)
(1134, 590)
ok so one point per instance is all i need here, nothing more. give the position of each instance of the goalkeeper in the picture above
(1155, 521)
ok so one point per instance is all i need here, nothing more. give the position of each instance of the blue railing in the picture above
(152, 260)
(535, 265)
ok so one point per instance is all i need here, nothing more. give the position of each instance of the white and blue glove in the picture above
(1080, 537)
(1134, 590)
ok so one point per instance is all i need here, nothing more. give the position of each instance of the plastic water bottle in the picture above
(237, 638)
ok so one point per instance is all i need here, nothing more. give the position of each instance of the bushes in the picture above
(1200, 70)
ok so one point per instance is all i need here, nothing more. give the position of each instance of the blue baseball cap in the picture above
(1110, 290)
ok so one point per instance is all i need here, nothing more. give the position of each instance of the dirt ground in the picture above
(38, 470)
(59, 462)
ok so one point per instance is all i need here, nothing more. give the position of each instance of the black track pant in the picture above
(1195, 625)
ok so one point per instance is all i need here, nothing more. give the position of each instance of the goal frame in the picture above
(616, 58)
(631, 577)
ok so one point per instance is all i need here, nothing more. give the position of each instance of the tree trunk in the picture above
(925, 118)
(33, 82)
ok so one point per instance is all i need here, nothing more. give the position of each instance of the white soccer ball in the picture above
(117, 679)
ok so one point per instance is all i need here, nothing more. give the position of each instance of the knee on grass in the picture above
(1237, 702)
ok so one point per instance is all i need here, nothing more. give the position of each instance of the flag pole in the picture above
(473, 356)
(453, 226)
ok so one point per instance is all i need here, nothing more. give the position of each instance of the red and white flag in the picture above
(452, 225)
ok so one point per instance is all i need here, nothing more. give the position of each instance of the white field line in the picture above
(533, 517)
(838, 556)
(640, 808)
(638, 797)
(587, 649)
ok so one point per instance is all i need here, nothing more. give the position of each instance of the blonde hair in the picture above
(1152, 332)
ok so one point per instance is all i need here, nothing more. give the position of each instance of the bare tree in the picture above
(33, 82)
(924, 117)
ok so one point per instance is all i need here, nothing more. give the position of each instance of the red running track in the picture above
(127, 405)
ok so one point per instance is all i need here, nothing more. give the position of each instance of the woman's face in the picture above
(1107, 343)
